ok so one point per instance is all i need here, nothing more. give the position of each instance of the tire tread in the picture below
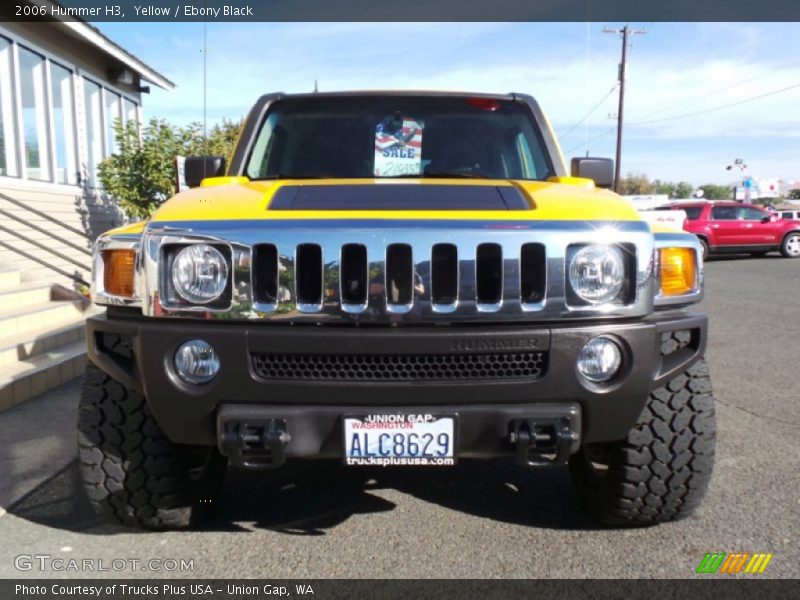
(131, 472)
(662, 469)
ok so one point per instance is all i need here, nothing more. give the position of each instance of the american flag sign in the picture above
(398, 147)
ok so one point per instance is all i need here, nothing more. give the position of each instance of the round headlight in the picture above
(196, 362)
(599, 360)
(597, 273)
(199, 273)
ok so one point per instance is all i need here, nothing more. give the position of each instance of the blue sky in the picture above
(675, 69)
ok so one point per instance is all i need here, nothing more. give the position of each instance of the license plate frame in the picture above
(419, 424)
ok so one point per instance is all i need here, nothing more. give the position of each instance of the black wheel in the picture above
(661, 471)
(704, 244)
(790, 247)
(131, 472)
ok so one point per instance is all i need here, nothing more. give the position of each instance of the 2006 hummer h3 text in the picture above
(396, 279)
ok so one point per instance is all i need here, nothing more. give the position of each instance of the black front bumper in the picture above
(139, 353)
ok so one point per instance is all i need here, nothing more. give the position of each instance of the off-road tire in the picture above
(131, 472)
(661, 471)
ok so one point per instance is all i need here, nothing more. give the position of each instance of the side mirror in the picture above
(767, 218)
(197, 168)
(601, 170)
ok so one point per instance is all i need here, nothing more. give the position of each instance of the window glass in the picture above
(34, 124)
(724, 213)
(524, 157)
(94, 133)
(747, 213)
(397, 136)
(63, 124)
(130, 111)
(787, 215)
(7, 159)
(693, 212)
(113, 107)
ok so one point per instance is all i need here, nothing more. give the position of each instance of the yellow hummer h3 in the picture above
(400, 280)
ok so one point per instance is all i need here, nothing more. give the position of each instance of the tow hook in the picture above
(255, 443)
(542, 442)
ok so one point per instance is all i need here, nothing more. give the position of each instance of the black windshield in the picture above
(398, 136)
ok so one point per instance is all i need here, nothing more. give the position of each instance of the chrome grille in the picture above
(307, 280)
(402, 271)
(399, 367)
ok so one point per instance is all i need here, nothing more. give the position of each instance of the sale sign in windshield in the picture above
(398, 147)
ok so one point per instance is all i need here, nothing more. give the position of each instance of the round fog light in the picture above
(600, 360)
(196, 362)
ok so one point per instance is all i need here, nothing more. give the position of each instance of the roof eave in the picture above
(95, 37)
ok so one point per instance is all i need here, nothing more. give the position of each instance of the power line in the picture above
(720, 107)
(690, 99)
(589, 114)
(587, 142)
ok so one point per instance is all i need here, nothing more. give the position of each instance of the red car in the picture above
(733, 227)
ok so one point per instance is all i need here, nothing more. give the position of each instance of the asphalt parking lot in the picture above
(477, 520)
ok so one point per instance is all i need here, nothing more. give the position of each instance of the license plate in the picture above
(399, 439)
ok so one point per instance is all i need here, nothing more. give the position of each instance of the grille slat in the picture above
(265, 274)
(489, 275)
(398, 277)
(399, 367)
(444, 275)
(533, 273)
(354, 274)
(308, 277)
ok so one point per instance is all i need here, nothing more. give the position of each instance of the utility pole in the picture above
(624, 32)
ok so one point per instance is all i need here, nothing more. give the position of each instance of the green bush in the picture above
(141, 174)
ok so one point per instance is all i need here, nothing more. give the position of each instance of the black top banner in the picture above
(403, 10)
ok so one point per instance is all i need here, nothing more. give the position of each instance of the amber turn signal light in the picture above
(118, 272)
(678, 271)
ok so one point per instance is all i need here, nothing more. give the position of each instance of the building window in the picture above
(131, 113)
(63, 124)
(41, 118)
(7, 158)
(34, 118)
(113, 108)
(94, 129)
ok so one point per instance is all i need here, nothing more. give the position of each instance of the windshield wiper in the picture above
(424, 174)
(440, 175)
(296, 176)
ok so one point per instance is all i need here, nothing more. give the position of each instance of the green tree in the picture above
(222, 139)
(716, 192)
(219, 140)
(141, 174)
(683, 189)
(663, 187)
(635, 185)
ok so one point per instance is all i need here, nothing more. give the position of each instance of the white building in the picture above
(62, 84)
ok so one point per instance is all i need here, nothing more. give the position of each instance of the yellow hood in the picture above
(237, 198)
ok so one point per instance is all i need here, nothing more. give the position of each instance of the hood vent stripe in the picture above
(398, 197)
